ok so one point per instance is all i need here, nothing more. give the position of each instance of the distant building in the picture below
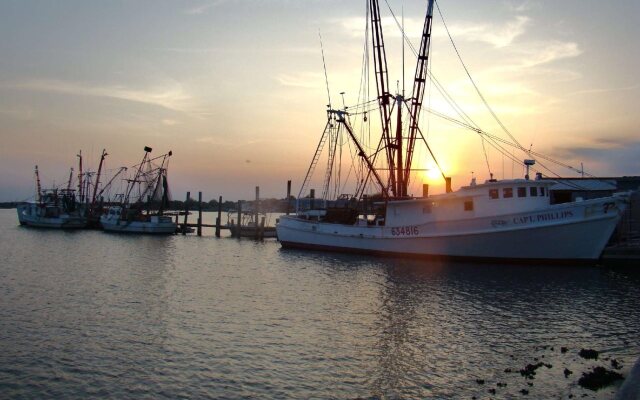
(571, 189)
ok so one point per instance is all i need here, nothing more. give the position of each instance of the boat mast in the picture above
(162, 180)
(382, 86)
(95, 187)
(147, 150)
(70, 179)
(80, 185)
(418, 94)
(104, 187)
(401, 190)
(38, 187)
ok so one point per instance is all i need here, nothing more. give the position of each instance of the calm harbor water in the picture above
(89, 314)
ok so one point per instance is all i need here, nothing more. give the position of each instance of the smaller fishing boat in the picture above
(53, 208)
(131, 220)
(141, 209)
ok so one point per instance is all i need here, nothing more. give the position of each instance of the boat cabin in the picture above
(474, 201)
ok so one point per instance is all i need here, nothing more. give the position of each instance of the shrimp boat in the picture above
(141, 209)
(53, 208)
(497, 220)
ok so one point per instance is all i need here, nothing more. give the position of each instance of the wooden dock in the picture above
(259, 231)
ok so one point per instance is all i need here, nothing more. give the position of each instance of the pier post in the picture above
(312, 196)
(199, 213)
(288, 194)
(256, 211)
(186, 213)
(425, 190)
(365, 206)
(219, 218)
(239, 223)
(262, 228)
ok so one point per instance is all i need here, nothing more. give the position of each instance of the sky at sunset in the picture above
(236, 89)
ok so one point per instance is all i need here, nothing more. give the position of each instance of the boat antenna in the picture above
(324, 65)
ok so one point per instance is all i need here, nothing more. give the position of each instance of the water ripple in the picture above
(87, 314)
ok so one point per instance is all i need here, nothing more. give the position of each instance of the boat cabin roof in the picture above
(481, 188)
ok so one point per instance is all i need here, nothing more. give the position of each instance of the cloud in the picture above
(172, 96)
(202, 8)
(520, 6)
(354, 26)
(603, 156)
(596, 146)
(212, 140)
(606, 90)
(305, 80)
(497, 36)
(18, 113)
(195, 50)
(547, 52)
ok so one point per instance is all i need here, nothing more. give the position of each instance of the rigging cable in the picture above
(452, 103)
(504, 128)
(326, 78)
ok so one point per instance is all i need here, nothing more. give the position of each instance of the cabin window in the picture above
(522, 192)
(468, 205)
(533, 191)
(493, 193)
(426, 209)
(507, 193)
(542, 191)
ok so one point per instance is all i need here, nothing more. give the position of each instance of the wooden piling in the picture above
(199, 213)
(261, 234)
(219, 218)
(312, 195)
(256, 210)
(186, 213)
(288, 195)
(239, 223)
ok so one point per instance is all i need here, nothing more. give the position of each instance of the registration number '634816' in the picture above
(410, 230)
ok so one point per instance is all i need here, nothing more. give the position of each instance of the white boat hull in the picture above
(156, 225)
(27, 216)
(578, 231)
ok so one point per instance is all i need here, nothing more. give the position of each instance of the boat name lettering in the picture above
(546, 217)
(405, 231)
